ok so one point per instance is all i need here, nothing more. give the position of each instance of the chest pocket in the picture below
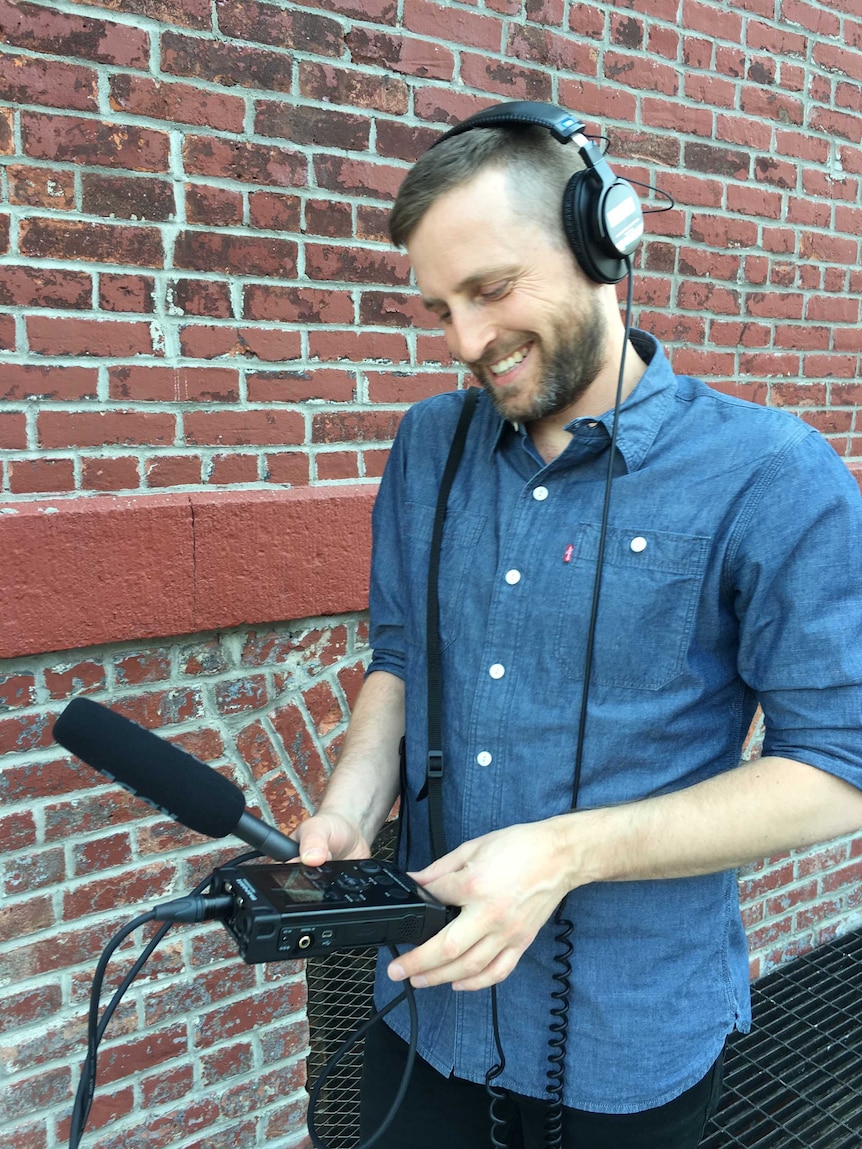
(649, 595)
(461, 532)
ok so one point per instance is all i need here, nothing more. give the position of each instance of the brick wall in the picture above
(205, 346)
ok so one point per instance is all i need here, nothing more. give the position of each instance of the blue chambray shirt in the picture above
(732, 577)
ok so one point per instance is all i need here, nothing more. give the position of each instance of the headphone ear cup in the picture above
(581, 224)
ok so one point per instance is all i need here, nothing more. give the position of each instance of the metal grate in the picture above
(795, 1081)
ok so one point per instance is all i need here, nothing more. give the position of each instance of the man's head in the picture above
(537, 170)
(481, 218)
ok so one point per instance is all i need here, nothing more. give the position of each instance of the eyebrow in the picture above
(490, 275)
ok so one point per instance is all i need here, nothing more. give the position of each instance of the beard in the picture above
(568, 366)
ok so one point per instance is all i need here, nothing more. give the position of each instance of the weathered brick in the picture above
(127, 197)
(506, 79)
(204, 297)
(190, 13)
(232, 470)
(176, 102)
(263, 23)
(35, 1094)
(355, 426)
(26, 1007)
(34, 870)
(274, 211)
(127, 293)
(105, 429)
(216, 207)
(203, 341)
(226, 63)
(353, 89)
(96, 143)
(357, 346)
(406, 55)
(309, 126)
(244, 428)
(39, 28)
(173, 384)
(17, 832)
(60, 336)
(28, 80)
(7, 140)
(281, 304)
(99, 242)
(329, 262)
(51, 188)
(301, 386)
(17, 690)
(173, 470)
(20, 381)
(110, 474)
(288, 468)
(335, 465)
(235, 254)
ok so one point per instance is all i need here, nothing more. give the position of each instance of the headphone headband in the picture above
(602, 216)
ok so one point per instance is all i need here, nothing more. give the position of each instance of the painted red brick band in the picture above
(90, 571)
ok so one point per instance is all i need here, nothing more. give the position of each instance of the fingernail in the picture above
(396, 973)
(419, 982)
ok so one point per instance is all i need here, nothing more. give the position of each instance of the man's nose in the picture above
(470, 335)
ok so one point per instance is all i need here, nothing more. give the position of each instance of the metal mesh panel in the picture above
(794, 1082)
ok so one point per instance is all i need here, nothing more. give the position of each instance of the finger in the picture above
(480, 965)
(494, 972)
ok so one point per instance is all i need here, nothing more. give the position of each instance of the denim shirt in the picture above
(731, 577)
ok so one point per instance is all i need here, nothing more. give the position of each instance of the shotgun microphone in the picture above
(170, 779)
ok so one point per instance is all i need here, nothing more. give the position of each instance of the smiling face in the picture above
(512, 303)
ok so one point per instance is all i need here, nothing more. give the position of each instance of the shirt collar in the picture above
(641, 415)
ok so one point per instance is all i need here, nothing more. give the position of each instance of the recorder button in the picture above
(369, 866)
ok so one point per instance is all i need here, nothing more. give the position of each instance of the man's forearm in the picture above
(364, 784)
(761, 808)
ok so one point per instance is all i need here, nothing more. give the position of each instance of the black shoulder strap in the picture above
(433, 788)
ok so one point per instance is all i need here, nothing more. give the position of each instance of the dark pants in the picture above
(449, 1113)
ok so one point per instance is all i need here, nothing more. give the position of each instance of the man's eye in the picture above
(495, 290)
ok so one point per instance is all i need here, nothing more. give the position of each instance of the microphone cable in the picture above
(561, 993)
(96, 1026)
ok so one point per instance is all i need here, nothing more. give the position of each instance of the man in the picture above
(730, 577)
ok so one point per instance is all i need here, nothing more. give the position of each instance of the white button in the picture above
(513, 577)
(497, 671)
(540, 494)
(638, 544)
(484, 758)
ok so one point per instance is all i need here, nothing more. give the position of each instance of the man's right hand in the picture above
(327, 836)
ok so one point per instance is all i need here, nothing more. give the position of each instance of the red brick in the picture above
(216, 207)
(127, 197)
(233, 469)
(44, 287)
(802, 336)
(80, 678)
(104, 429)
(102, 853)
(25, 80)
(798, 395)
(126, 293)
(355, 427)
(767, 364)
(453, 25)
(101, 242)
(409, 56)
(26, 1007)
(59, 336)
(7, 138)
(831, 366)
(226, 63)
(244, 428)
(408, 386)
(328, 262)
(17, 691)
(377, 11)
(13, 431)
(106, 474)
(29, 1095)
(43, 29)
(353, 89)
(505, 79)
(335, 465)
(350, 176)
(403, 141)
(372, 223)
(235, 254)
(34, 381)
(96, 143)
(274, 302)
(190, 13)
(283, 28)
(290, 468)
(763, 104)
(142, 1053)
(173, 384)
(303, 755)
(177, 102)
(202, 341)
(41, 187)
(313, 127)
(199, 297)
(331, 386)
(274, 211)
(173, 471)
(708, 297)
(232, 1061)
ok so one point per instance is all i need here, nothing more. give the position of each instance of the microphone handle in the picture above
(267, 839)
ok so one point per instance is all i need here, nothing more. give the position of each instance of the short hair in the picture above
(537, 166)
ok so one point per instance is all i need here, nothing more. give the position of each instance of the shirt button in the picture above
(497, 670)
(513, 577)
(638, 544)
(540, 494)
(484, 758)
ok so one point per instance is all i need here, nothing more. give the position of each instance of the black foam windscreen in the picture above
(164, 775)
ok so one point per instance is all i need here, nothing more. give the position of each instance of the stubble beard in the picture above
(567, 371)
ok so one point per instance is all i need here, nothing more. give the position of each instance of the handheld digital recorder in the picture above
(293, 911)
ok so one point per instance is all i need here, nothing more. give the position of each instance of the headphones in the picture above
(602, 215)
